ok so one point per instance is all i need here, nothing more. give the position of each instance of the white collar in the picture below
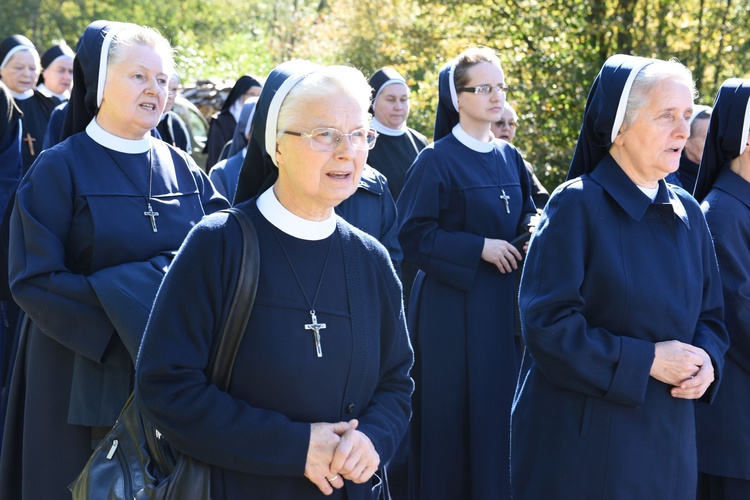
(291, 224)
(111, 141)
(650, 192)
(472, 143)
(382, 129)
(46, 91)
(23, 95)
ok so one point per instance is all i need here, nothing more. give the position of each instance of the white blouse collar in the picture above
(23, 95)
(382, 129)
(111, 141)
(286, 221)
(470, 142)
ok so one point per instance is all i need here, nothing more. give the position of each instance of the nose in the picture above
(683, 128)
(344, 147)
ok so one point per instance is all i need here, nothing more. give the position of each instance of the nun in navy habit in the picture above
(95, 224)
(621, 305)
(19, 70)
(465, 198)
(724, 188)
(320, 392)
(223, 123)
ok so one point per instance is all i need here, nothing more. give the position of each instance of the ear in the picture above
(619, 138)
(279, 156)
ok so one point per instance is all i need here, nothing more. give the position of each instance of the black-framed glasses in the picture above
(328, 139)
(484, 89)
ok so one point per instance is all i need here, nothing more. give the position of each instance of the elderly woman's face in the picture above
(312, 182)
(392, 106)
(134, 94)
(58, 76)
(20, 72)
(649, 149)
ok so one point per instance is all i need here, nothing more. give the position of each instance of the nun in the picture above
(685, 176)
(225, 174)
(724, 189)
(465, 198)
(398, 145)
(173, 129)
(19, 71)
(94, 227)
(621, 305)
(10, 171)
(320, 392)
(56, 78)
(222, 126)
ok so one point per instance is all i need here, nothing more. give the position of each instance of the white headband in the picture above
(272, 118)
(389, 82)
(620, 115)
(452, 85)
(745, 127)
(12, 51)
(103, 57)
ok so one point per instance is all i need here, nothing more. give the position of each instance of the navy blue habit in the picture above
(85, 264)
(724, 426)
(458, 192)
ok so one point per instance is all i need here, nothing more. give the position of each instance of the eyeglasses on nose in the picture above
(328, 139)
(503, 123)
(484, 89)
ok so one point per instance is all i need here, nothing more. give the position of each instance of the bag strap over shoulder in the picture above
(242, 303)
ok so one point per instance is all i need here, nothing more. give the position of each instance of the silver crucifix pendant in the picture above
(316, 327)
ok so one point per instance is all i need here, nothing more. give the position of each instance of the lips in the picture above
(148, 107)
(339, 175)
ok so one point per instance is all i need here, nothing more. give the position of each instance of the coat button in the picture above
(350, 408)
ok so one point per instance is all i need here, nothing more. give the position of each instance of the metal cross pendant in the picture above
(153, 215)
(505, 198)
(316, 328)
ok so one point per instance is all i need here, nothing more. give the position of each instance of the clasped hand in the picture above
(684, 366)
(337, 452)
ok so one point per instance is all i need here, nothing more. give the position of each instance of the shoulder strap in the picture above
(242, 303)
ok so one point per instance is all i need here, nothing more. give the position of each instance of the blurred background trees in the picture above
(550, 49)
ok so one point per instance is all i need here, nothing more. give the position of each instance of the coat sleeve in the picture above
(451, 256)
(172, 388)
(387, 414)
(567, 349)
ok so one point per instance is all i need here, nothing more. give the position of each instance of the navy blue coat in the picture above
(372, 209)
(724, 427)
(608, 274)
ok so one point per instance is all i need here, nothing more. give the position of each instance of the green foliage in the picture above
(550, 49)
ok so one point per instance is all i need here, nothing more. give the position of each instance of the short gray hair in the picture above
(327, 81)
(651, 76)
(132, 34)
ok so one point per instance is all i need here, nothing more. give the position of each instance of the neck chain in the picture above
(150, 211)
(314, 326)
(495, 177)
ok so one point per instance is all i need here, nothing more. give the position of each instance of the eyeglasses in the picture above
(328, 139)
(503, 123)
(484, 89)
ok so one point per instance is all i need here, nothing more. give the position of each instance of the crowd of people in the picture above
(429, 322)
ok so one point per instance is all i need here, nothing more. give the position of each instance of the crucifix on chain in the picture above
(153, 215)
(30, 140)
(506, 199)
(316, 327)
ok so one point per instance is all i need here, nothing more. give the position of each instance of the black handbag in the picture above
(134, 461)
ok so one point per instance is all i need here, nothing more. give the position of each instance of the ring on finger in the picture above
(332, 479)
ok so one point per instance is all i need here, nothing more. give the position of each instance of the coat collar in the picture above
(618, 185)
(734, 185)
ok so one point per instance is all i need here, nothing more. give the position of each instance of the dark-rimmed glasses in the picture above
(484, 89)
(328, 139)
